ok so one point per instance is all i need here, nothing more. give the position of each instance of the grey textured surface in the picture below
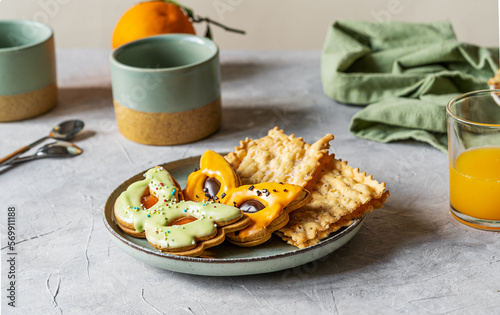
(409, 257)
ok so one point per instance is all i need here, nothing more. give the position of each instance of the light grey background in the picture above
(277, 24)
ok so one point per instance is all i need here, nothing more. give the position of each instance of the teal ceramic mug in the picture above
(28, 84)
(166, 89)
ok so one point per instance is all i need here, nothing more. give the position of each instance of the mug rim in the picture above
(190, 37)
(451, 114)
(34, 43)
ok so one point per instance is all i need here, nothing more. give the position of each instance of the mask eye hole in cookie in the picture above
(211, 187)
(251, 206)
(183, 220)
(148, 200)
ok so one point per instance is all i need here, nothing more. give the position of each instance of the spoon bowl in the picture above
(67, 130)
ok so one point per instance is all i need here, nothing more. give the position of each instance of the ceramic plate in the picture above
(226, 259)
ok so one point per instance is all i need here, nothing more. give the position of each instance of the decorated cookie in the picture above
(150, 208)
(145, 197)
(267, 205)
(213, 180)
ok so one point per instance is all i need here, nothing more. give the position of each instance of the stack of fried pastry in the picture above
(340, 193)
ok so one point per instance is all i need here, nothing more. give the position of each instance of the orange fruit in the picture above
(148, 19)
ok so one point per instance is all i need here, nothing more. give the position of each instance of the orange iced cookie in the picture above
(213, 180)
(268, 206)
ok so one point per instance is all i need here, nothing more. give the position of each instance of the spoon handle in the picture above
(22, 159)
(5, 160)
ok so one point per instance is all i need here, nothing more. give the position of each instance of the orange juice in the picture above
(475, 183)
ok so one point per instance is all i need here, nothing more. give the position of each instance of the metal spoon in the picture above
(66, 130)
(54, 149)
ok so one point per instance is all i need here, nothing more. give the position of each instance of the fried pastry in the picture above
(340, 194)
(278, 158)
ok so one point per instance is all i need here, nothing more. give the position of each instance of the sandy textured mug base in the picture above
(168, 128)
(28, 105)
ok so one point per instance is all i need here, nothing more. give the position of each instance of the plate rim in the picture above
(110, 204)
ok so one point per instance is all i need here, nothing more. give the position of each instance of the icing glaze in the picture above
(161, 228)
(213, 180)
(170, 223)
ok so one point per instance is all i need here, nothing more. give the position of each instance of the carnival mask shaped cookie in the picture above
(267, 205)
(150, 208)
(213, 180)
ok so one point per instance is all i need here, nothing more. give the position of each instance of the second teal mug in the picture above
(166, 89)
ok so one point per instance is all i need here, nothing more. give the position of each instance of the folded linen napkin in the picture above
(405, 72)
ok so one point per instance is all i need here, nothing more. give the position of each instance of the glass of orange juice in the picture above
(474, 156)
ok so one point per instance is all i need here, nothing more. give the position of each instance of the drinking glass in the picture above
(474, 158)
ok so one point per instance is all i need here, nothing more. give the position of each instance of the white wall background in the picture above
(270, 24)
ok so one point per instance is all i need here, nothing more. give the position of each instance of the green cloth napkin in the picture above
(405, 72)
